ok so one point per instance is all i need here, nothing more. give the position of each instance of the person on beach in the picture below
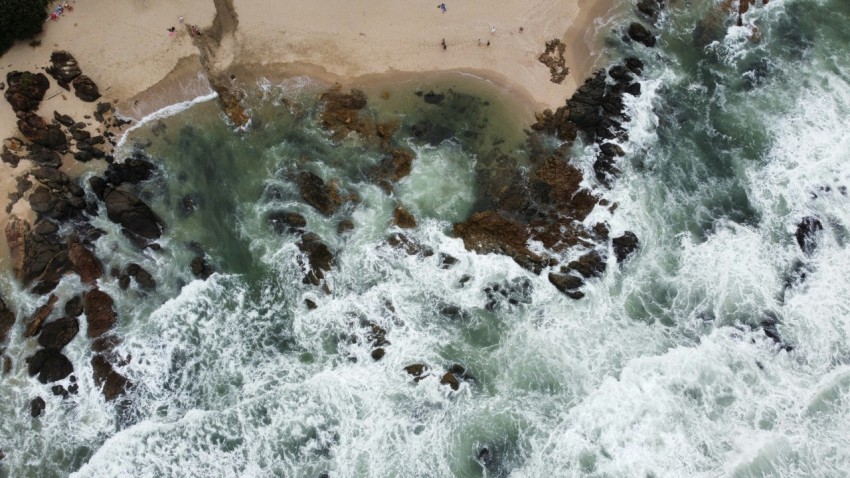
(442, 7)
(443, 43)
(180, 19)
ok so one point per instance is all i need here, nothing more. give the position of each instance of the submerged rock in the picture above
(806, 234)
(286, 221)
(319, 258)
(625, 245)
(201, 268)
(325, 198)
(341, 113)
(640, 34)
(403, 218)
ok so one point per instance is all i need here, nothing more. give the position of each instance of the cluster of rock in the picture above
(553, 58)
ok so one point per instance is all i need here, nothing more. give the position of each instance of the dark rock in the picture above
(409, 245)
(74, 306)
(7, 321)
(451, 311)
(85, 89)
(396, 164)
(37, 407)
(344, 226)
(133, 170)
(34, 322)
(341, 114)
(145, 280)
(310, 304)
(26, 90)
(324, 197)
(634, 65)
(319, 258)
(378, 353)
(59, 391)
(37, 255)
(114, 384)
(126, 209)
(63, 67)
(634, 89)
(99, 312)
(417, 370)
(50, 365)
(286, 221)
(36, 130)
(187, 205)
(64, 120)
(45, 157)
(450, 380)
(85, 263)
(806, 234)
(605, 169)
(433, 98)
(651, 8)
(403, 218)
(200, 268)
(80, 135)
(553, 58)
(98, 186)
(445, 261)
(565, 282)
(124, 281)
(625, 245)
(589, 265)
(640, 34)
(59, 333)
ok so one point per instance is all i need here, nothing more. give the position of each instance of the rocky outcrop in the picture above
(409, 245)
(7, 321)
(85, 89)
(341, 113)
(33, 127)
(553, 58)
(99, 311)
(319, 258)
(25, 90)
(34, 322)
(126, 209)
(651, 8)
(49, 365)
(326, 198)
(807, 232)
(286, 221)
(63, 68)
(84, 262)
(113, 383)
(132, 170)
(59, 333)
(625, 245)
(403, 218)
(39, 255)
(640, 34)
(397, 164)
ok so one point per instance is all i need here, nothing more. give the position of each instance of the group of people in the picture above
(60, 10)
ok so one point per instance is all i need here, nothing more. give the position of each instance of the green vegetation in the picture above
(19, 20)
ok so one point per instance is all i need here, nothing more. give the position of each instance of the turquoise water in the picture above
(661, 370)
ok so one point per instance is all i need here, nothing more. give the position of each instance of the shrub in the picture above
(19, 20)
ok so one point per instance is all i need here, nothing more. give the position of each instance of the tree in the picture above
(19, 20)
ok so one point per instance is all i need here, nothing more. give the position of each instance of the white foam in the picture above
(161, 113)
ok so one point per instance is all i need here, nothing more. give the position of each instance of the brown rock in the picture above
(319, 258)
(114, 384)
(450, 380)
(85, 263)
(403, 218)
(341, 114)
(35, 321)
(26, 90)
(50, 365)
(85, 89)
(397, 164)
(7, 321)
(33, 127)
(99, 312)
(325, 198)
(59, 333)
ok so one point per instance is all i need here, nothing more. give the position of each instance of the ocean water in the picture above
(662, 370)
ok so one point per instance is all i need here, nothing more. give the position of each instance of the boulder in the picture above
(113, 383)
(403, 218)
(59, 333)
(100, 314)
(200, 268)
(589, 265)
(64, 120)
(806, 233)
(37, 407)
(568, 284)
(652, 8)
(85, 263)
(26, 90)
(417, 370)
(341, 113)
(344, 226)
(640, 34)
(34, 322)
(85, 89)
(324, 197)
(410, 246)
(133, 170)
(286, 221)
(50, 365)
(38, 255)
(7, 321)
(126, 209)
(319, 258)
(63, 67)
(33, 127)
(396, 164)
(74, 306)
(625, 245)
